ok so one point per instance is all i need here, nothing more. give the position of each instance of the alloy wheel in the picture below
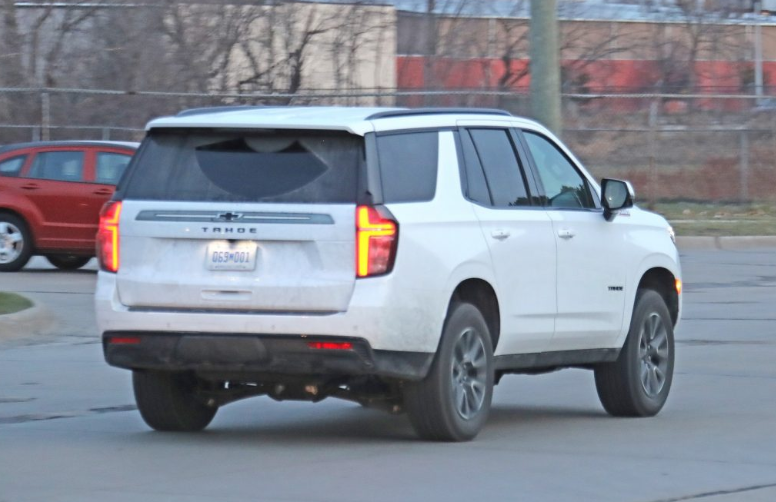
(11, 242)
(469, 374)
(653, 354)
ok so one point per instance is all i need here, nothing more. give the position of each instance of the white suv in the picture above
(403, 259)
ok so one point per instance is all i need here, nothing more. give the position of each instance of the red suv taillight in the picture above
(376, 237)
(108, 236)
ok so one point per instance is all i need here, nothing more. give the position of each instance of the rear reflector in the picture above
(330, 345)
(376, 235)
(108, 236)
(124, 340)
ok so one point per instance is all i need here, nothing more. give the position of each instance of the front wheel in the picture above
(15, 243)
(167, 401)
(68, 262)
(637, 384)
(453, 401)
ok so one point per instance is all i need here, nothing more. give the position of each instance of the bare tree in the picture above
(697, 31)
(11, 48)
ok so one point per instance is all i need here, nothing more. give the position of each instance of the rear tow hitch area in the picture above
(368, 391)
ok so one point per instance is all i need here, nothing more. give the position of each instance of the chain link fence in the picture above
(704, 147)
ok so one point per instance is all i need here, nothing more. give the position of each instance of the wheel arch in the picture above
(663, 281)
(482, 295)
(27, 221)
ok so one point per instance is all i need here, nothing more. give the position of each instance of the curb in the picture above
(726, 243)
(36, 320)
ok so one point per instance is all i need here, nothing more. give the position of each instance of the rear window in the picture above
(251, 166)
(408, 166)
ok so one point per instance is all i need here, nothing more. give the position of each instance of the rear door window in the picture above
(13, 166)
(58, 166)
(250, 166)
(477, 186)
(110, 166)
(499, 161)
(408, 166)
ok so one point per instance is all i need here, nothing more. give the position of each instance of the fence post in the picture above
(743, 174)
(45, 116)
(653, 109)
(35, 134)
(105, 133)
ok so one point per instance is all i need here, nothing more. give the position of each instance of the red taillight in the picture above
(375, 242)
(330, 345)
(108, 236)
(124, 340)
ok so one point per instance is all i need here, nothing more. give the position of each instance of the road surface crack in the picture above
(719, 492)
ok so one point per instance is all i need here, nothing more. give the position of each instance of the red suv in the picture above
(51, 194)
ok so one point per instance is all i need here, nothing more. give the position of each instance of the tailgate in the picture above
(289, 258)
(244, 220)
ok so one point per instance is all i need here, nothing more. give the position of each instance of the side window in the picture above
(502, 171)
(12, 167)
(408, 166)
(475, 177)
(110, 167)
(58, 166)
(563, 185)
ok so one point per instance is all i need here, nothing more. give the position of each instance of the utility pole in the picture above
(758, 53)
(429, 81)
(545, 64)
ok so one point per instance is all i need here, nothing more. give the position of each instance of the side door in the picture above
(519, 235)
(591, 270)
(55, 183)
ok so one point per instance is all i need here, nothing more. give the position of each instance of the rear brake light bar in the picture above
(376, 238)
(108, 236)
(124, 340)
(330, 345)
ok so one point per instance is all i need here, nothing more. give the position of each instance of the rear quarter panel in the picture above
(440, 246)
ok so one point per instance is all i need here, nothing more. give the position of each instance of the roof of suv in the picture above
(357, 120)
(75, 143)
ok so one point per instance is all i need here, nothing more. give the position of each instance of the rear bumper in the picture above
(386, 317)
(252, 354)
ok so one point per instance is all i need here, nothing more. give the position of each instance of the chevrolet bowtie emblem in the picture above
(229, 216)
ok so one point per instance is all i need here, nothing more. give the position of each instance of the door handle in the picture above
(102, 191)
(499, 234)
(30, 186)
(566, 234)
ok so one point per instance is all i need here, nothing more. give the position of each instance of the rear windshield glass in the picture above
(253, 166)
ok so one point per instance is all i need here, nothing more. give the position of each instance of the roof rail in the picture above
(220, 109)
(406, 112)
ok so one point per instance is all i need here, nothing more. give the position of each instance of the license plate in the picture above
(231, 256)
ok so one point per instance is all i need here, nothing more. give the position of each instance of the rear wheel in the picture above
(637, 384)
(68, 261)
(15, 243)
(167, 401)
(453, 401)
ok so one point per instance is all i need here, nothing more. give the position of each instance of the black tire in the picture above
(68, 261)
(631, 386)
(431, 403)
(13, 225)
(166, 401)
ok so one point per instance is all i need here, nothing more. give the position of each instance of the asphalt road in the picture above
(69, 431)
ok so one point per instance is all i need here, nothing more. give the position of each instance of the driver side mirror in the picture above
(617, 195)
